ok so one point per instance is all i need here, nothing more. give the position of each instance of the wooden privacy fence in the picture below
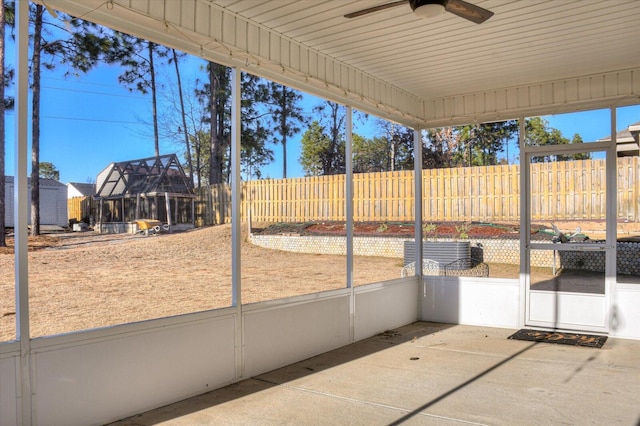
(81, 209)
(559, 190)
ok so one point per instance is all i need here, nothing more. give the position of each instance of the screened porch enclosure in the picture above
(509, 67)
(147, 206)
(154, 188)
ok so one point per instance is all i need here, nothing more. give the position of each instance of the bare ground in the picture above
(83, 280)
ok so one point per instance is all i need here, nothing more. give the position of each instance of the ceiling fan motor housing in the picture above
(417, 3)
(427, 9)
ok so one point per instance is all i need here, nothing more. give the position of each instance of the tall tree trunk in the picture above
(225, 143)
(197, 147)
(184, 117)
(283, 126)
(3, 242)
(394, 147)
(335, 130)
(156, 138)
(35, 117)
(393, 155)
(215, 166)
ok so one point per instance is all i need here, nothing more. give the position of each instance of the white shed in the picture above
(53, 202)
(76, 189)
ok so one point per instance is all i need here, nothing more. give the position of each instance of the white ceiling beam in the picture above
(614, 89)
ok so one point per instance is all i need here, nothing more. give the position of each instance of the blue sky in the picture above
(91, 120)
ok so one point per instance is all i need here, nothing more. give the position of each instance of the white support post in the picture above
(524, 221)
(193, 212)
(611, 194)
(349, 218)
(167, 206)
(236, 228)
(417, 172)
(349, 193)
(137, 206)
(417, 189)
(20, 215)
(100, 218)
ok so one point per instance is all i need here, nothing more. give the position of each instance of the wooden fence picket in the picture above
(560, 190)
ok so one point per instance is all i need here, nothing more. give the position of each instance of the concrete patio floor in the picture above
(431, 373)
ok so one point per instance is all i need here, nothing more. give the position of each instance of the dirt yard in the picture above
(84, 280)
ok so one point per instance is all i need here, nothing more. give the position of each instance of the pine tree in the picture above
(183, 116)
(79, 44)
(137, 56)
(254, 152)
(3, 242)
(287, 116)
(218, 96)
(315, 144)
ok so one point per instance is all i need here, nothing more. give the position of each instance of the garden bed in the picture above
(391, 229)
(594, 229)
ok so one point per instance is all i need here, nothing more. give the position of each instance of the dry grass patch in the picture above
(83, 280)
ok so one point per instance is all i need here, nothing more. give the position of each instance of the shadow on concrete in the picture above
(344, 386)
(281, 376)
(462, 385)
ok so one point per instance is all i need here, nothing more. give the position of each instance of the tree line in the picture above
(323, 145)
(197, 113)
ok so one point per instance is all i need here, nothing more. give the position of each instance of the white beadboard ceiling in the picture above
(531, 56)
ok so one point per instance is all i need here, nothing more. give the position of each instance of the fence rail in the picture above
(559, 190)
(80, 209)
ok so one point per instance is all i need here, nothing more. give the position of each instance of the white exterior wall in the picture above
(53, 204)
(124, 373)
(493, 302)
(73, 192)
(276, 337)
(9, 376)
(99, 376)
(625, 322)
(490, 302)
(385, 306)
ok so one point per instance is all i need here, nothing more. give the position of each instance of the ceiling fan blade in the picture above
(468, 11)
(375, 9)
